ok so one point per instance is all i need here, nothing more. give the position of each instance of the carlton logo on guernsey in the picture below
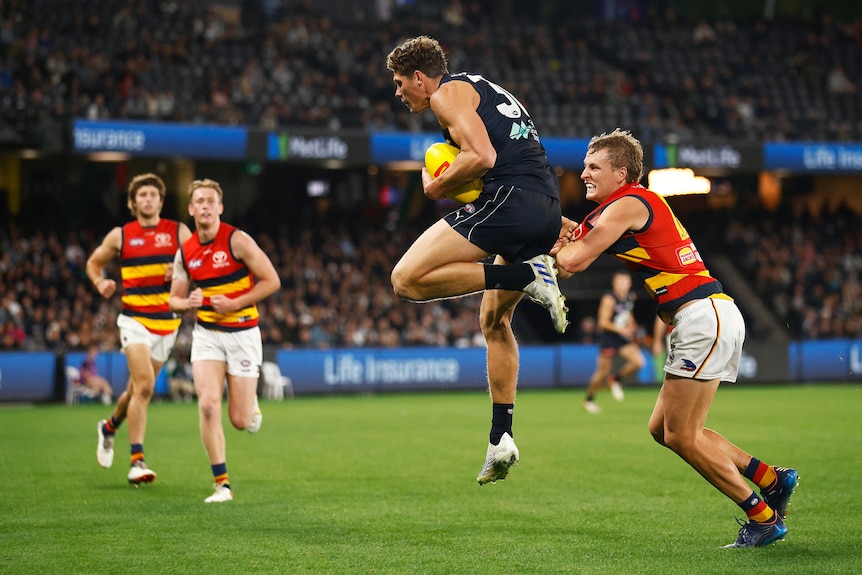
(144, 258)
(215, 270)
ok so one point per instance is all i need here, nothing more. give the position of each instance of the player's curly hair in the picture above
(422, 53)
(624, 150)
(139, 182)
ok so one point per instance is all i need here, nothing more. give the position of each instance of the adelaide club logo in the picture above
(163, 240)
(220, 259)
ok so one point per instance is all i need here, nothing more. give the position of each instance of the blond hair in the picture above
(624, 151)
(206, 183)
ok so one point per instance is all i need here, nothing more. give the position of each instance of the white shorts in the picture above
(242, 350)
(706, 341)
(133, 332)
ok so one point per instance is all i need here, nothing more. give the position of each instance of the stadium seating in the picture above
(181, 61)
(275, 385)
(579, 76)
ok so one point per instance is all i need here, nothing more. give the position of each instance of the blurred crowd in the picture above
(321, 64)
(335, 293)
(807, 267)
(336, 290)
(280, 63)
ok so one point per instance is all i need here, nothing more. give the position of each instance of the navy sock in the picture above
(137, 450)
(513, 277)
(757, 509)
(220, 474)
(501, 421)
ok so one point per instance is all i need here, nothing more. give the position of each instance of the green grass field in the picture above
(386, 484)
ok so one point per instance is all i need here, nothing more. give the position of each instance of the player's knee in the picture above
(144, 392)
(209, 408)
(403, 284)
(657, 433)
(240, 422)
(680, 443)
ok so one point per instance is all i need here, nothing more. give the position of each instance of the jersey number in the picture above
(512, 108)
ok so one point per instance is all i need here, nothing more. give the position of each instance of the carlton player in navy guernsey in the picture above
(617, 329)
(516, 218)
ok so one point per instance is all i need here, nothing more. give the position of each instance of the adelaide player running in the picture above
(231, 274)
(148, 328)
(638, 227)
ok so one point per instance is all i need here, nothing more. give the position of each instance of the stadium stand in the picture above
(321, 64)
(208, 62)
(335, 293)
(807, 268)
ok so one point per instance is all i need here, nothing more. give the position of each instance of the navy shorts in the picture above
(514, 223)
(610, 343)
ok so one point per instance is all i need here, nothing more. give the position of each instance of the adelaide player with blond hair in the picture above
(231, 273)
(638, 227)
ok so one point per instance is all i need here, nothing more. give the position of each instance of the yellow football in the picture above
(438, 158)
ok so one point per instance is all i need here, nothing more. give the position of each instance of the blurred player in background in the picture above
(516, 218)
(638, 227)
(148, 328)
(91, 379)
(617, 330)
(231, 274)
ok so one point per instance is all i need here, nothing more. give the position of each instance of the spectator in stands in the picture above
(68, 68)
(587, 330)
(91, 379)
(805, 269)
(703, 33)
(837, 81)
(14, 335)
(180, 376)
(97, 110)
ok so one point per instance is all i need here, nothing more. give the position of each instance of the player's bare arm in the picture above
(605, 319)
(180, 300)
(266, 280)
(100, 258)
(454, 104)
(184, 234)
(621, 216)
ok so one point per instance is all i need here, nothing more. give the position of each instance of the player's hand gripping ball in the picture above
(438, 158)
